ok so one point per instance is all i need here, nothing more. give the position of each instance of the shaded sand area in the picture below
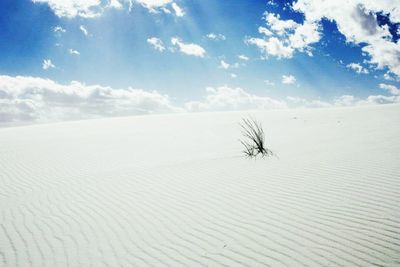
(174, 190)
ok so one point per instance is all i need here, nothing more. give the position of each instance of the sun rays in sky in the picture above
(83, 59)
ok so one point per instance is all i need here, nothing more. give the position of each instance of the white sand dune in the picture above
(174, 190)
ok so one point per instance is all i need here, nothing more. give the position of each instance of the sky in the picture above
(62, 60)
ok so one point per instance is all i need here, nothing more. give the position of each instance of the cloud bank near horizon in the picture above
(31, 99)
(94, 8)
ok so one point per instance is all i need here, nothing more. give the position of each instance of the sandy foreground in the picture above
(174, 190)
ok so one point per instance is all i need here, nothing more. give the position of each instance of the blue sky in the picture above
(107, 43)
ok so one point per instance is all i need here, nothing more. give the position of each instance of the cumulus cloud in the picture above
(30, 99)
(188, 48)
(349, 100)
(264, 31)
(388, 77)
(393, 90)
(385, 54)
(79, 8)
(379, 99)
(283, 37)
(166, 6)
(115, 4)
(226, 98)
(357, 21)
(345, 101)
(298, 102)
(279, 26)
(47, 64)
(288, 79)
(35, 99)
(95, 8)
(154, 4)
(394, 96)
(304, 35)
(216, 36)
(272, 46)
(156, 43)
(357, 68)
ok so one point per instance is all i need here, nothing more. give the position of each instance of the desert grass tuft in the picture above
(254, 139)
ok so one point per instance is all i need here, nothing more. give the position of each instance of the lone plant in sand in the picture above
(254, 139)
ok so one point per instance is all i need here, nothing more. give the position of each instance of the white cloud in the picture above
(80, 8)
(345, 101)
(47, 64)
(349, 100)
(154, 4)
(95, 8)
(224, 65)
(385, 54)
(74, 52)
(280, 26)
(357, 68)
(36, 99)
(288, 79)
(178, 10)
(226, 98)
(29, 99)
(84, 30)
(243, 57)
(388, 77)
(264, 31)
(379, 99)
(273, 46)
(298, 102)
(393, 90)
(304, 35)
(284, 37)
(233, 75)
(59, 29)
(394, 96)
(163, 9)
(216, 37)
(357, 21)
(115, 4)
(156, 43)
(188, 49)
